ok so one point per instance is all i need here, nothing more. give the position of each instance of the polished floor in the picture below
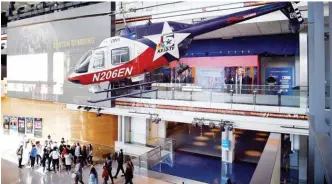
(11, 174)
(206, 169)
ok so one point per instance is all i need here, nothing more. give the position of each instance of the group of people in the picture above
(53, 157)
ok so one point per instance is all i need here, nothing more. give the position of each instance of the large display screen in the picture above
(43, 51)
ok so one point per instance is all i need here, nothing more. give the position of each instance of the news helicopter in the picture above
(144, 48)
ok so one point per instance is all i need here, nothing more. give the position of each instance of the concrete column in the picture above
(120, 129)
(303, 158)
(316, 86)
(303, 40)
(311, 40)
(330, 51)
(228, 155)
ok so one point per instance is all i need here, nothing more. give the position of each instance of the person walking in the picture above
(55, 159)
(68, 161)
(93, 177)
(84, 156)
(120, 164)
(90, 149)
(79, 172)
(19, 154)
(77, 152)
(109, 167)
(33, 155)
(45, 158)
(105, 174)
(39, 152)
(49, 159)
(129, 175)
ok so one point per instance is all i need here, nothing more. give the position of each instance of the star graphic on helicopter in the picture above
(167, 42)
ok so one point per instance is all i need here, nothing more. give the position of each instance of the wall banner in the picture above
(29, 125)
(5, 122)
(5, 125)
(283, 77)
(21, 125)
(38, 124)
(13, 124)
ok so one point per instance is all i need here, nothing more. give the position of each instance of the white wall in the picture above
(157, 130)
(138, 130)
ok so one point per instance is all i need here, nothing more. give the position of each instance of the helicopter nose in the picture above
(74, 79)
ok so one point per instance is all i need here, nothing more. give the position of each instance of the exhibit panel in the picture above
(43, 51)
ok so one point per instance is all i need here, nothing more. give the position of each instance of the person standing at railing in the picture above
(39, 152)
(120, 164)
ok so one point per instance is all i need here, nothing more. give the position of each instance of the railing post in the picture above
(173, 93)
(279, 97)
(232, 92)
(141, 91)
(139, 161)
(191, 95)
(254, 96)
(157, 94)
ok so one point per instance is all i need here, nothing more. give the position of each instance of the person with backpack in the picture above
(109, 167)
(105, 174)
(19, 154)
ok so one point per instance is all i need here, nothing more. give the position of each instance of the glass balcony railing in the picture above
(268, 95)
(233, 94)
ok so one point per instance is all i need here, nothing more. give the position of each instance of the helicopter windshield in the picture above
(83, 64)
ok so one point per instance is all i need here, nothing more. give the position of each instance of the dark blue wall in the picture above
(285, 44)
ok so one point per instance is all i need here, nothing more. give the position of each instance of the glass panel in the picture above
(120, 55)
(99, 59)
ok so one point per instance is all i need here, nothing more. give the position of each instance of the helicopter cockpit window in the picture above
(98, 59)
(120, 55)
(83, 64)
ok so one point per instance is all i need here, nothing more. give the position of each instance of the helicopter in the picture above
(144, 48)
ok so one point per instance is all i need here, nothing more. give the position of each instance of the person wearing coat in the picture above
(93, 177)
(79, 172)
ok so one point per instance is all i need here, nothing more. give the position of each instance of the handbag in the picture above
(73, 176)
